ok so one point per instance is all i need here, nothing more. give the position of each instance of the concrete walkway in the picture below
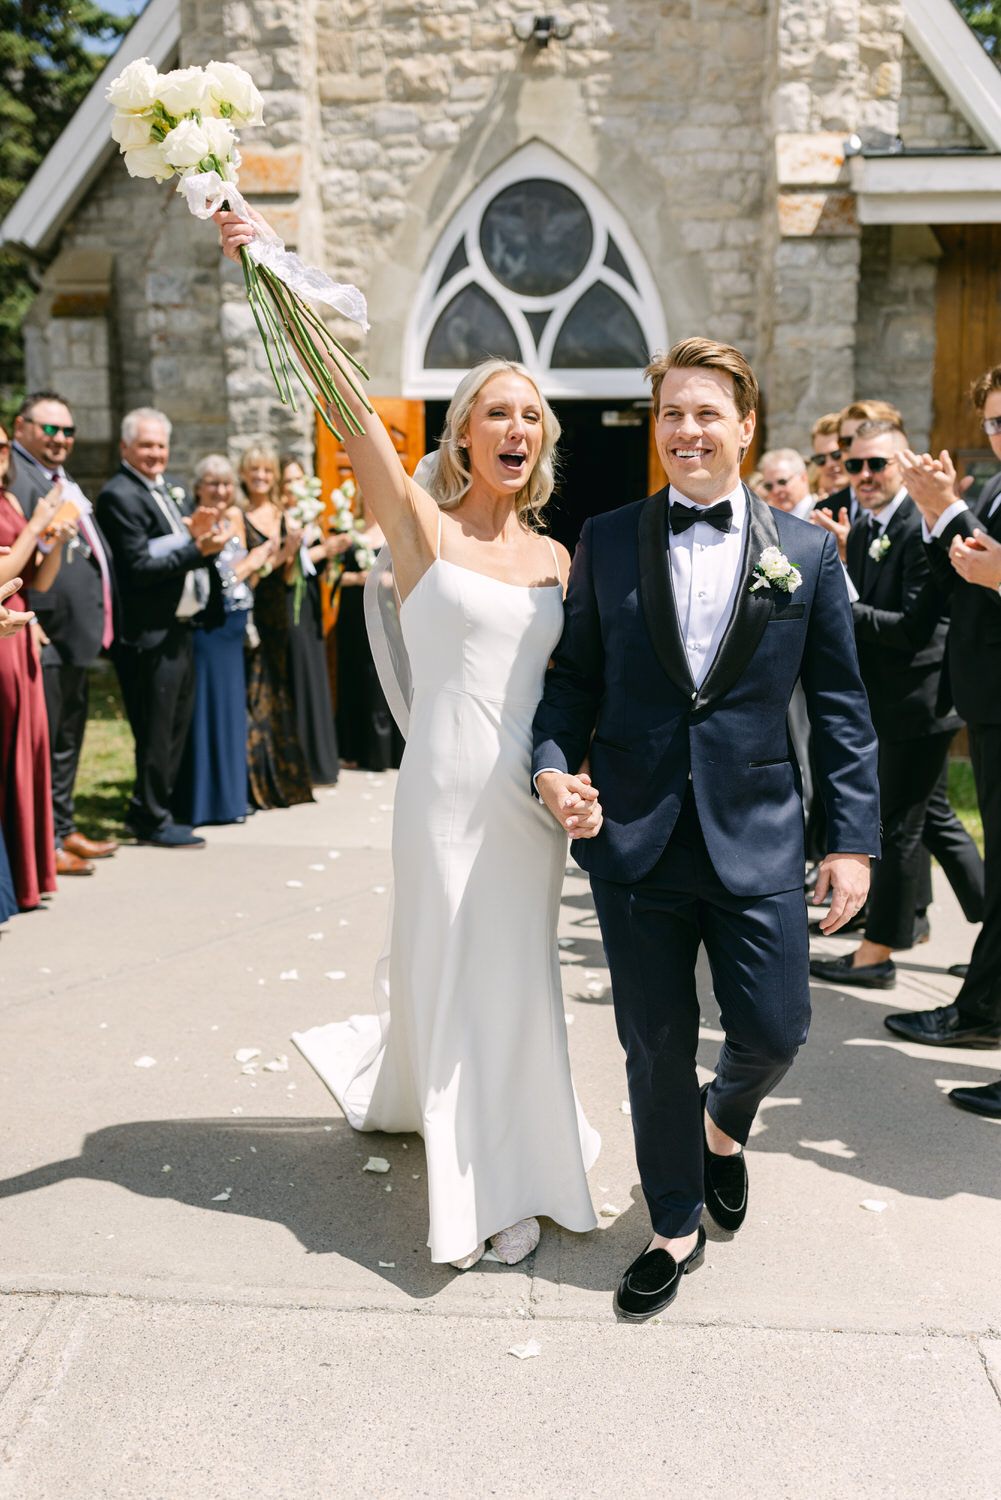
(202, 1292)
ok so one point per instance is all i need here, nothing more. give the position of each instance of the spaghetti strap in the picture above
(556, 561)
(437, 550)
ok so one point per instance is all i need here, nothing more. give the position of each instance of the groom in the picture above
(690, 616)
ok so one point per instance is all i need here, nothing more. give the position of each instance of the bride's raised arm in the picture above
(407, 514)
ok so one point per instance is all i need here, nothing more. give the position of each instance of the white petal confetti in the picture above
(247, 1054)
(568, 1018)
(294, 885)
(565, 942)
(222, 1197)
(144, 1062)
(376, 1164)
(249, 1068)
(874, 1205)
(385, 807)
(525, 1351)
(389, 1187)
(333, 854)
(289, 974)
(378, 890)
(388, 1265)
(626, 1107)
(279, 1065)
(314, 937)
(609, 1211)
(238, 1110)
(317, 867)
(595, 987)
(335, 974)
(166, 1169)
(239, 914)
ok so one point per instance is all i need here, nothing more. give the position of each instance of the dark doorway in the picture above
(603, 459)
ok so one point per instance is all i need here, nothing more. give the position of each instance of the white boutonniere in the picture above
(879, 547)
(775, 571)
(176, 493)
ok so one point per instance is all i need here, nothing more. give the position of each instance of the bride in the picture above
(470, 1047)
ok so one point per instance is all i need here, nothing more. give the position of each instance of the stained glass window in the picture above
(536, 237)
(472, 327)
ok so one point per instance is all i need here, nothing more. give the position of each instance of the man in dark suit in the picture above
(963, 550)
(75, 615)
(163, 584)
(690, 616)
(900, 633)
(849, 422)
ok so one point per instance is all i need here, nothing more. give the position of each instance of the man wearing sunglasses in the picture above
(900, 632)
(849, 421)
(75, 615)
(826, 454)
(784, 482)
(964, 552)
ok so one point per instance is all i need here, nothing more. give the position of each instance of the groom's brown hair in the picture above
(706, 354)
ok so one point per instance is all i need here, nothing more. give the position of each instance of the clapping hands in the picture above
(932, 483)
(977, 559)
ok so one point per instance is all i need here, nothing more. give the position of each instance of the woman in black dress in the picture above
(277, 773)
(307, 652)
(366, 730)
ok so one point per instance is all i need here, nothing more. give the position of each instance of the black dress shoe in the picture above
(922, 931)
(959, 970)
(870, 976)
(942, 1027)
(724, 1181)
(652, 1281)
(980, 1101)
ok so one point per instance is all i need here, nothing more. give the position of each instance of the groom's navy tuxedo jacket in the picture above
(621, 670)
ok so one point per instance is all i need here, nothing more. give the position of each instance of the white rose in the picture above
(134, 90)
(185, 145)
(781, 567)
(183, 90)
(228, 84)
(148, 162)
(770, 556)
(220, 136)
(795, 579)
(131, 131)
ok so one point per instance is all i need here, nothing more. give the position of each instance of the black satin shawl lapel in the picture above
(751, 612)
(657, 593)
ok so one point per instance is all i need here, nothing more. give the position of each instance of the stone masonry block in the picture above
(417, 78)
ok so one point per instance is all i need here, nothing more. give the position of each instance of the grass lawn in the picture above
(107, 764)
(963, 796)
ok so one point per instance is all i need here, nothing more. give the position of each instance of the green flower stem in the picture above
(309, 356)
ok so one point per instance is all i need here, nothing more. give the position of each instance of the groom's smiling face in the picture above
(700, 434)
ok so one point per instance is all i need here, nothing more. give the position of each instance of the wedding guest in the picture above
(825, 459)
(278, 775)
(75, 616)
(900, 631)
(784, 482)
(212, 782)
(307, 648)
(161, 562)
(963, 546)
(33, 553)
(849, 421)
(366, 730)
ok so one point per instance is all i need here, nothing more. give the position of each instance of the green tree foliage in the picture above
(984, 18)
(50, 54)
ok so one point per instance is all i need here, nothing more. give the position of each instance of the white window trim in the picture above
(534, 160)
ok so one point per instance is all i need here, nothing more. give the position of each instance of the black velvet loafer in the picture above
(725, 1181)
(942, 1027)
(652, 1281)
(985, 1100)
(869, 976)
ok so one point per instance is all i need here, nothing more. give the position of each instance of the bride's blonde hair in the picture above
(450, 480)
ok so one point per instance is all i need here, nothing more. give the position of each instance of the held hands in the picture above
(977, 559)
(573, 802)
(846, 876)
(839, 528)
(932, 483)
(12, 620)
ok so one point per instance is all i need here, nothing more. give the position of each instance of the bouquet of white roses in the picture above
(185, 122)
(308, 505)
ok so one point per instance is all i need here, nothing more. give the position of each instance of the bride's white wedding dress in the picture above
(470, 1046)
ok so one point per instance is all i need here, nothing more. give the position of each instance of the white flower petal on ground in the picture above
(595, 987)
(626, 1107)
(144, 1062)
(609, 1211)
(333, 854)
(314, 937)
(238, 1110)
(874, 1205)
(294, 885)
(565, 942)
(376, 1164)
(247, 1054)
(378, 890)
(249, 1068)
(222, 1197)
(289, 974)
(335, 974)
(279, 1065)
(568, 1018)
(317, 867)
(526, 1351)
(134, 90)
(387, 1265)
(166, 1169)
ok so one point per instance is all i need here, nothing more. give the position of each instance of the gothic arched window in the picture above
(536, 266)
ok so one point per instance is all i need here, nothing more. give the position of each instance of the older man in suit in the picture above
(963, 546)
(900, 631)
(690, 616)
(160, 557)
(75, 616)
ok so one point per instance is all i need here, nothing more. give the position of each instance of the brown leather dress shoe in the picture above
(85, 848)
(72, 864)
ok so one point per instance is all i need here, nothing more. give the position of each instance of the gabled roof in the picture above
(83, 149)
(958, 63)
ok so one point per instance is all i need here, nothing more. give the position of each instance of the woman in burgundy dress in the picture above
(25, 785)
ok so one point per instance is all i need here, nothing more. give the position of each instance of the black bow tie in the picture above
(683, 516)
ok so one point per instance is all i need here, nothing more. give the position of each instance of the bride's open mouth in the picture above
(513, 461)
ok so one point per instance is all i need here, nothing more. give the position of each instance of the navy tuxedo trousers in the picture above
(758, 950)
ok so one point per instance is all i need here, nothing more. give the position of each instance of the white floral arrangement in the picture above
(775, 571)
(184, 123)
(308, 506)
(342, 499)
(879, 547)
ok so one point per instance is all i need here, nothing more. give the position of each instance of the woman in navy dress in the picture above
(212, 784)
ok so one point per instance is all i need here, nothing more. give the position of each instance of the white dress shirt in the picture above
(955, 509)
(193, 598)
(705, 571)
